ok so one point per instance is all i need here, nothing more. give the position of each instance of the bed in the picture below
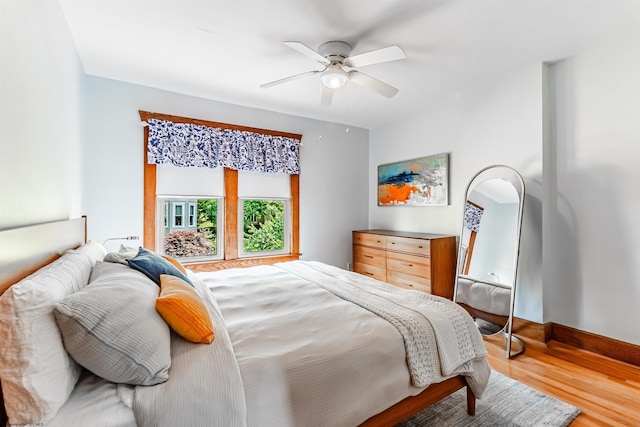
(296, 343)
(489, 301)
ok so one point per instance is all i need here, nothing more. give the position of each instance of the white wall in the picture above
(494, 122)
(41, 84)
(573, 131)
(333, 182)
(594, 170)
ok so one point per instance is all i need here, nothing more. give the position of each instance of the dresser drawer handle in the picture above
(368, 256)
(420, 246)
(409, 265)
(368, 274)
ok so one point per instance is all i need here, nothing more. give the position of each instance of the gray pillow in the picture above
(112, 328)
(123, 255)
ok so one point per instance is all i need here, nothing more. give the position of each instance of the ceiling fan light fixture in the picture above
(335, 57)
(334, 78)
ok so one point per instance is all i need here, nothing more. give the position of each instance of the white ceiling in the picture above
(225, 49)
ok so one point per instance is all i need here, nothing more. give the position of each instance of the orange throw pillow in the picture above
(176, 263)
(184, 311)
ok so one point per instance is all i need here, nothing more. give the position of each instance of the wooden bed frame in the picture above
(484, 315)
(24, 250)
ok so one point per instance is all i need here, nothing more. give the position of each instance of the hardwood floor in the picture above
(606, 391)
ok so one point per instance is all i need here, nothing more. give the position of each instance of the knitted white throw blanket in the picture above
(426, 322)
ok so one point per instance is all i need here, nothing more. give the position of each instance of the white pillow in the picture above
(94, 250)
(36, 372)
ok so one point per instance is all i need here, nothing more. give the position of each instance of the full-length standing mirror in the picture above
(488, 251)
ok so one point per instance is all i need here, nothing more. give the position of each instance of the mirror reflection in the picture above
(489, 231)
(488, 251)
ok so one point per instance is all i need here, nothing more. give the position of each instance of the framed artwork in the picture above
(416, 182)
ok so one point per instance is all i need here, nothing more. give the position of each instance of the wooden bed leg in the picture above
(471, 402)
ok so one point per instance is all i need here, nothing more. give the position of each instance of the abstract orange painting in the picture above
(416, 182)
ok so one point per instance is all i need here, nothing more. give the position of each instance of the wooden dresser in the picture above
(421, 261)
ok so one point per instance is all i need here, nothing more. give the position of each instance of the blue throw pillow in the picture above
(153, 265)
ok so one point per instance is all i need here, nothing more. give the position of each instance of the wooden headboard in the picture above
(24, 250)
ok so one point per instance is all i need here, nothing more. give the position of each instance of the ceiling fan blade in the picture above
(386, 54)
(288, 79)
(327, 96)
(373, 84)
(305, 50)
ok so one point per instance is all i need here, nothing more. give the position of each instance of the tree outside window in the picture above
(263, 225)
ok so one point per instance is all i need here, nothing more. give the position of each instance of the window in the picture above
(281, 211)
(200, 239)
(264, 226)
(192, 214)
(196, 206)
(263, 213)
(166, 214)
(178, 213)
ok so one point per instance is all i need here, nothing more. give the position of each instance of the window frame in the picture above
(230, 228)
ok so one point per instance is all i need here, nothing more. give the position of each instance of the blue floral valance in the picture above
(472, 217)
(192, 145)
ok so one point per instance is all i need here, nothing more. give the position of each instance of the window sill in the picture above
(238, 263)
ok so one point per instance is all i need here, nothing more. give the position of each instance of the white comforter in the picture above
(426, 322)
(338, 362)
(204, 387)
(287, 352)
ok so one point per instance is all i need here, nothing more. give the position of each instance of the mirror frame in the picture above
(508, 174)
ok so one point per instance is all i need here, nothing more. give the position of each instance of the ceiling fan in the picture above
(339, 67)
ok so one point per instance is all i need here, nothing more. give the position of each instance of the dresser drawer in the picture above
(408, 281)
(412, 260)
(378, 273)
(371, 256)
(373, 240)
(407, 244)
(409, 264)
